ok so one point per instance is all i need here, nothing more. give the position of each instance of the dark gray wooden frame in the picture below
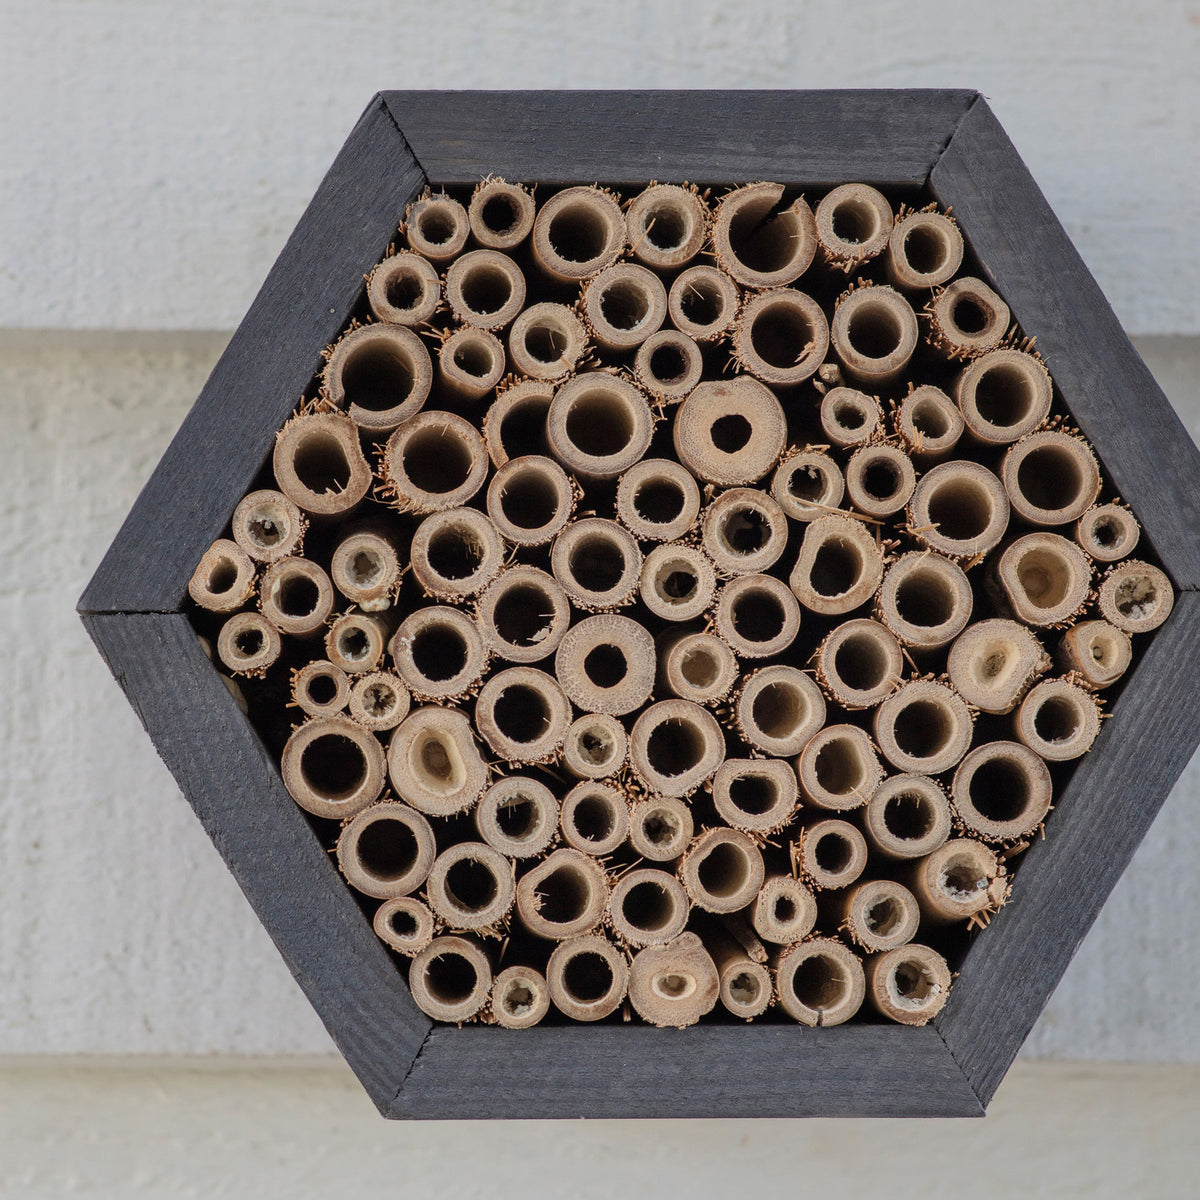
(133, 606)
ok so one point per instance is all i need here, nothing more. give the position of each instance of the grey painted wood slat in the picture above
(234, 786)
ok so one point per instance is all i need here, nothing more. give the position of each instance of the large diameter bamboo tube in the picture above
(808, 483)
(722, 870)
(470, 363)
(831, 853)
(660, 829)
(925, 250)
(523, 714)
(781, 336)
(839, 768)
(404, 924)
(356, 641)
(677, 582)
(434, 763)
(598, 563)
(675, 746)
(319, 464)
(594, 818)
(450, 979)
(673, 986)
(366, 569)
(248, 644)
(819, 982)
(1044, 579)
(437, 228)
(859, 663)
(1001, 791)
(547, 341)
(730, 432)
(530, 500)
(598, 425)
(907, 817)
(880, 479)
(623, 305)
(959, 509)
(1058, 720)
(967, 318)
(755, 795)
(333, 768)
(957, 881)
(296, 596)
(778, 709)
(434, 462)
(850, 417)
(387, 850)
(578, 232)
(1106, 533)
(1051, 477)
(745, 985)
(668, 225)
(524, 614)
(1135, 596)
(854, 223)
(1099, 652)
(319, 689)
(924, 727)
(994, 663)
(515, 422)
(455, 554)
(760, 242)
(563, 896)
(874, 334)
(928, 424)
(697, 666)
(517, 816)
(668, 364)
(485, 288)
(404, 289)
(380, 375)
(910, 984)
(744, 531)
(879, 915)
(595, 747)
(606, 664)
(588, 977)
(439, 652)
(223, 579)
(703, 303)
(1003, 395)
(925, 600)
(520, 997)
(378, 701)
(471, 886)
(648, 907)
(785, 910)
(757, 615)
(268, 526)
(501, 214)
(839, 567)
(657, 500)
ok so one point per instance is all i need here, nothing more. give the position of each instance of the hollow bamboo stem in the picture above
(673, 986)
(517, 816)
(296, 596)
(471, 887)
(224, 578)
(523, 714)
(819, 982)
(450, 979)
(387, 850)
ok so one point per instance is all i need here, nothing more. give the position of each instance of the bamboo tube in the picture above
(874, 334)
(224, 578)
(355, 642)
(623, 305)
(928, 424)
(1107, 532)
(563, 896)
(744, 531)
(434, 462)
(819, 982)
(778, 709)
(530, 500)
(319, 689)
(859, 663)
(831, 853)
(673, 986)
(470, 362)
(838, 768)
(455, 554)
(524, 614)
(839, 568)
(523, 714)
(781, 336)
(745, 985)
(956, 881)
(404, 924)
(517, 816)
(675, 746)
(1051, 477)
(333, 768)
(959, 509)
(925, 600)
(703, 303)
(910, 984)
(386, 850)
(578, 232)
(1136, 597)
(606, 664)
(598, 425)
(520, 997)
(248, 644)
(380, 375)
(757, 615)
(924, 250)
(434, 762)
(907, 817)
(547, 341)
(850, 417)
(296, 596)
(657, 500)
(758, 241)
(924, 727)
(268, 526)
(738, 927)
(722, 870)
(755, 795)
(697, 667)
(660, 829)
(879, 915)
(501, 214)
(677, 581)
(594, 818)
(1045, 579)
(1001, 792)
(515, 422)
(450, 979)
(730, 432)
(807, 483)
(880, 479)
(668, 226)
(319, 464)
(598, 564)
(440, 653)
(595, 746)
(471, 886)
(485, 288)
(994, 663)
(668, 364)
(967, 318)
(587, 977)
(378, 701)
(648, 907)
(1003, 395)
(404, 289)
(1099, 652)
(1058, 720)
(785, 910)
(437, 228)
(366, 570)
(854, 223)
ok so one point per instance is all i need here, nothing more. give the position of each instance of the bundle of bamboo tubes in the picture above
(671, 605)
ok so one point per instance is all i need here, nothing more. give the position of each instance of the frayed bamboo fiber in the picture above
(956, 881)
(854, 223)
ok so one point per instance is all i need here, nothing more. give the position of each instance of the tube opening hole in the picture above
(546, 341)
(730, 433)
(700, 667)
(909, 816)
(675, 747)
(753, 795)
(999, 790)
(605, 665)
(883, 917)
(387, 849)
(298, 596)
(820, 982)
(1004, 394)
(922, 728)
(745, 988)
(925, 599)
(521, 713)
(625, 304)
(454, 552)
(724, 871)
(833, 853)
(929, 419)
(474, 357)
(404, 290)
(530, 500)
(519, 818)
(523, 427)
(321, 465)
(779, 709)
(763, 239)
(658, 501)
(668, 226)
(222, 576)
(597, 563)
(471, 885)
(500, 213)
(668, 363)
(587, 977)
(745, 530)
(874, 330)
(781, 335)
(523, 615)
(1057, 720)
(436, 763)
(377, 376)
(321, 689)
(437, 225)
(249, 643)
(486, 290)
(758, 615)
(648, 906)
(437, 461)
(1049, 477)
(837, 567)
(854, 222)
(926, 248)
(702, 303)
(1045, 577)
(450, 978)
(960, 509)
(881, 480)
(594, 818)
(353, 643)
(439, 652)
(600, 423)
(661, 827)
(913, 983)
(969, 315)
(595, 745)
(839, 767)
(861, 662)
(578, 233)
(333, 766)
(380, 699)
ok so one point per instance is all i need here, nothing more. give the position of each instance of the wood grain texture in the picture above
(1113, 796)
(234, 786)
(815, 137)
(1027, 254)
(270, 360)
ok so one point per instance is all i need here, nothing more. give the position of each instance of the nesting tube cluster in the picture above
(678, 607)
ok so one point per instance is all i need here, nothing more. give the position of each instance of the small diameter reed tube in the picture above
(730, 432)
(660, 829)
(434, 762)
(1003, 395)
(268, 526)
(523, 715)
(925, 600)
(355, 642)
(924, 251)
(520, 997)
(470, 363)
(515, 422)
(703, 303)
(668, 365)
(958, 880)
(668, 226)
(587, 977)
(757, 615)
(1044, 579)
(623, 306)
(677, 582)
(880, 479)
(1051, 478)
(563, 896)
(755, 795)
(595, 746)
(673, 986)
(517, 816)
(722, 870)
(831, 854)
(1136, 597)
(819, 982)
(450, 979)
(785, 910)
(966, 318)
(838, 768)
(781, 336)
(879, 915)
(850, 417)
(744, 531)
(248, 643)
(959, 509)
(471, 886)
(778, 710)
(366, 570)
(760, 243)
(594, 818)
(874, 334)
(907, 817)
(859, 663)
(923, 727)
(606, 664)
(1001, 792)
(530, 500)
(378, 701)
(380, 375)
(839, 568)
(598, 564)
(455, 554)
(994, 663)
(439, 652)
(547, 341)
(501, 214)
(333, 768)
(1058, 720)
(598, 425)
(648, 907)
(434, 462)
(910, 984)
(404, 924)
(404, 289)
(524, 614)
(657, 500)
(578, 232)
(807, 483)
(697, 667)
(1107, 533)
(319, 689)
(296, 596)
(928, 424)
(745, 985)
(1098, 651)
(224, 578)
(319, 464)
(437, 228)
(387, 850)
(485, 288)
(675, 746)
(854, 223)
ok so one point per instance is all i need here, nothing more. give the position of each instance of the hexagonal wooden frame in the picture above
(133, 607)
